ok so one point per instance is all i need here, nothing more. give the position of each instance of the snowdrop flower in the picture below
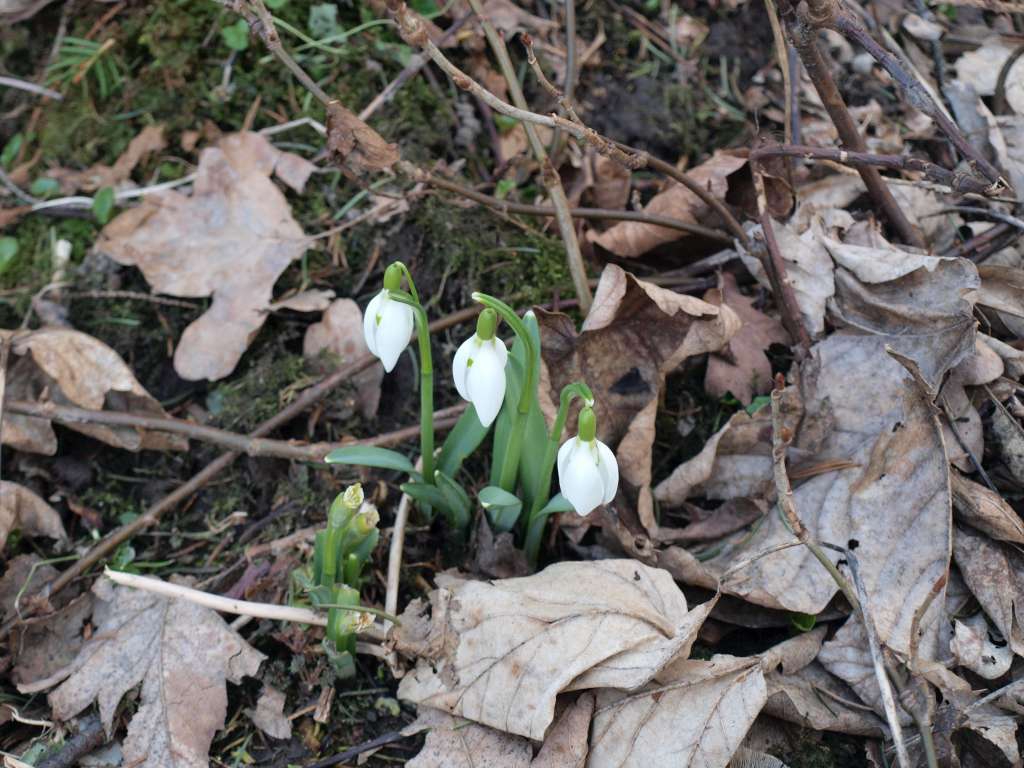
(479, 368)
(587, 471)
(388, 324)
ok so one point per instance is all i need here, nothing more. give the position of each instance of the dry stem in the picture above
(802, 36)
(251, 446)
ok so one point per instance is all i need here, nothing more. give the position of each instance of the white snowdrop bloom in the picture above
(588, 474)
(387, 326)
(479, 369)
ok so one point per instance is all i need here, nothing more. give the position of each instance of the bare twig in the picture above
(506, 206)
(24, 85)
(549, 174)
(250, 446)
(358, 749)
(958, 182)
(802, 36)
(775, 266)
(90, 736)
(915, 93)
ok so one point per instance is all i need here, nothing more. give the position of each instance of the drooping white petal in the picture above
(370, 322)
(460, 365)
(393, 331)
(608, 468)
(565, 454)
(485, 380)
(580, 481)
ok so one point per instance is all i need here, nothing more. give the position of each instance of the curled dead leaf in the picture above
(506, 649)
(23, 510)
(630, 239)
(68, 367)
(356, 145)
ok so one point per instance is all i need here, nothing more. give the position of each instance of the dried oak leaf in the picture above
(742, 367)
(630, 239)
(698, 718)
(455, 743)
(508, 648)
(888, 497)
(356, 145)
(340, 332)
(67, 367)
(972, 647)
(23, 510)
(181, 653)
(232, 238)
(635, 334)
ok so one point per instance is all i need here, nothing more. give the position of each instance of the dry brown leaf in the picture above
(354, 144)
(45, 644)
(972, 647)
(742, 367)
(611, 183)
(630, 239)
(12, 11)
(181, 653)
(314, 300)
(149, 140)
(634, 335)
(697, 719)
(814, 698)
(511, 19)
(923, 303)
(67, 367)
(892, 447)
(566, 745)
(994, 573)
(986, 510)
(23, 510)
(1007, 438)
(497, 556)
(980, 69)
(735, 463)
(340, 332)
(808, 269)
(269, 714)
(23, 577)
(504, 650)
(455, 743)
(1002, 292)
(731, 516)
(232, 238)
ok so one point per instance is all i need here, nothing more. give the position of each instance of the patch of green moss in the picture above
(255, 394)
(464, 250)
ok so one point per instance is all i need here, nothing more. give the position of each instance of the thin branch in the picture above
(803, 38)
(958, 182)
(916, 94)
(23, 85)
(507, 206)
(775, 266)
(250, 446)
(549, 174)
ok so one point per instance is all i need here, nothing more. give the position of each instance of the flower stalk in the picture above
(426, 373)
(536, 521)
(514, 449)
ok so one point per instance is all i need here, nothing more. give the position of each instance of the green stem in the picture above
(514, 449)
(426, 378)
(536, 522)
